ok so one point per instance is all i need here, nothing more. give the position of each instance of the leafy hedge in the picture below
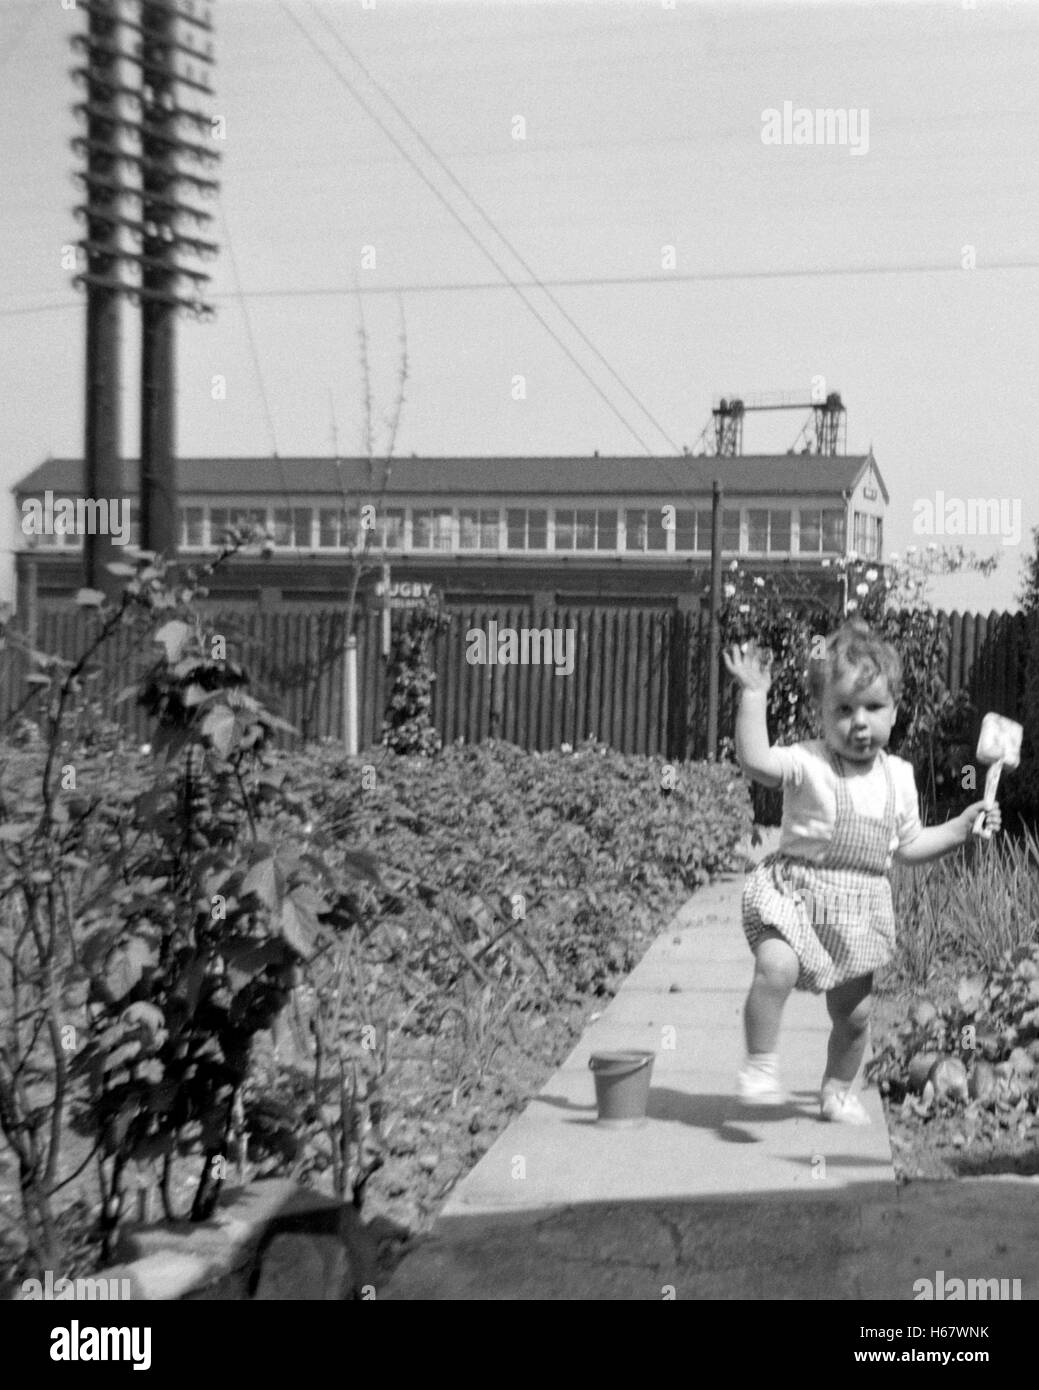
(576, 856)
(512, 886)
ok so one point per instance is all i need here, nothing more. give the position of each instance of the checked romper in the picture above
(837, 914)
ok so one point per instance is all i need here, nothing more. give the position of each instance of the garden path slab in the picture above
(708, 1200)
(555, 1170)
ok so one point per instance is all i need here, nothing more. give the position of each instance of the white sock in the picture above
(767, 1063)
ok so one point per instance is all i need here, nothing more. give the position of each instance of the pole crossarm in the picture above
(146, 231)
(94, 50)
(148, 196)
(138, 127)
(85, 144)
(106, 89)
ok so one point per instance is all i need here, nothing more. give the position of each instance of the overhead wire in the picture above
(576, 282)
(258, 370)
(509, 282)
(682, 489)
(367, 108)
(493, 226)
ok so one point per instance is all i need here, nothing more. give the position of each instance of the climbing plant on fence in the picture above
(931, 729)
(408, 724)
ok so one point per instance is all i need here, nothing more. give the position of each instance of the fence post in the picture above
(350, 696)
(716, 634)
(32, 602)
(387, 642)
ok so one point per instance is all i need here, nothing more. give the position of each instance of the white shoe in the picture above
(840, 1106)
(758, 1087)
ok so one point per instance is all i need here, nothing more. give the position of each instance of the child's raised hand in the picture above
(749, 666)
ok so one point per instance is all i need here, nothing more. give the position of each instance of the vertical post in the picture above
(32, 605)
(31, 615)
(497, 713)
(714, 655)
(102, 479)
(158, 492)
(385, 612)
(350, 696)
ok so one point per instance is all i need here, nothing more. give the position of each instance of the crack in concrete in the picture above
(674, 1234)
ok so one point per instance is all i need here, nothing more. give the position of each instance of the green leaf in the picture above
(168, 743)
(124, 571)
(122, 1055)
(173, 635)
(197, 695)
(188, 985)
(90, 598)
(125, 967)
(149, 1016)
(149, 887)
(96, 946)
(115, 1130)
(363, 864)
(299, 927)
(245, 962)
(219, 725)
(264, 880)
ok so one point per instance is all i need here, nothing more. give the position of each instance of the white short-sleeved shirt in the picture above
(810, 799)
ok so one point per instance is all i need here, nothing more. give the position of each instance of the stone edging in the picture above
(165, 1263)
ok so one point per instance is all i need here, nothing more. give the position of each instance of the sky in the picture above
(624, 150)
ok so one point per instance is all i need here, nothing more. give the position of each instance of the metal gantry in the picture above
(824, 432)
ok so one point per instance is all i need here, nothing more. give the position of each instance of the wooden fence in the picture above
(639, 681)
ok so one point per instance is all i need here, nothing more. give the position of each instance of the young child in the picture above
(817, 913)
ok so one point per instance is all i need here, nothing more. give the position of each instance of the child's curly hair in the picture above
(855, 647)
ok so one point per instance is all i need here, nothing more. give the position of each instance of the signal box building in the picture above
(538, 531)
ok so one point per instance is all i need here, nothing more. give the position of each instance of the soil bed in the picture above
(943, 1145)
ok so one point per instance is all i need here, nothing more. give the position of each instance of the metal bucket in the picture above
(622, 1087)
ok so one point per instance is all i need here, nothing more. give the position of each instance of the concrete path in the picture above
(707, 1199)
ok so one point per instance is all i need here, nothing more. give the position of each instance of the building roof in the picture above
(522, 477)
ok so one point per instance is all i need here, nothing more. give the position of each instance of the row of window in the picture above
(754, 530)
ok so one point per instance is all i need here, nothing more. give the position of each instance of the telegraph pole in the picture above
(139, 54)
(158, 279)
(103, 214)
(172, 54)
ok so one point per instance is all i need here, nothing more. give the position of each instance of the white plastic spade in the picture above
(999, 745)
